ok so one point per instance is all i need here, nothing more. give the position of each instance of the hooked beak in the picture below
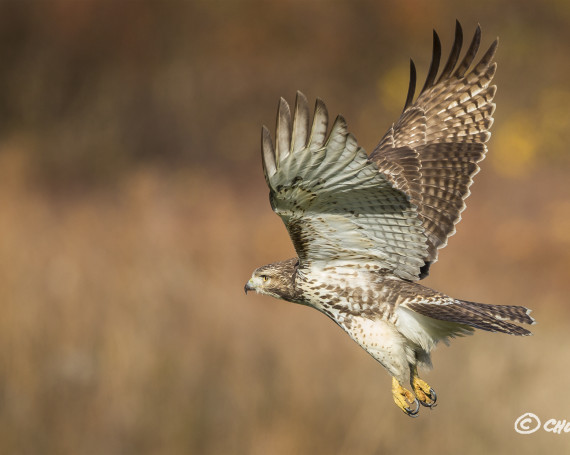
(248, 287)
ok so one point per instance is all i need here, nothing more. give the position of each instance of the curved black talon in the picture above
(432, 395)
(414, 413)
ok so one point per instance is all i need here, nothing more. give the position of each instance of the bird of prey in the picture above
(367, 228)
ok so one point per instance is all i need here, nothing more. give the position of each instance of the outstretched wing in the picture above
(431, 152)
(335, 204)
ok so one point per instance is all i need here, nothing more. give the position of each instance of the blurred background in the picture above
(133, 210)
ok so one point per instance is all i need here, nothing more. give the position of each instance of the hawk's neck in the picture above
(287, 288)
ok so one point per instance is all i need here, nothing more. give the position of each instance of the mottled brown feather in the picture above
(431, 152)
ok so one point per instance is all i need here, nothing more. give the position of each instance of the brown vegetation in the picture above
(133, 210)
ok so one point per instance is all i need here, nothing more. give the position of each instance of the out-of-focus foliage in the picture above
(124, 328)
(92, 88)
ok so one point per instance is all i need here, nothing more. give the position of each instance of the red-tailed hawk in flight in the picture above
(366, 228)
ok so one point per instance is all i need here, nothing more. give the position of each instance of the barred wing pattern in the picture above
(431, 152)
(350, 216)
(335, 204)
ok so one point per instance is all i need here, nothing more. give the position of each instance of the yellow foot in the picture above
(404, 399)
(424, 393)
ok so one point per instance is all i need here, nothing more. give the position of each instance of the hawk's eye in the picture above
(264, 277)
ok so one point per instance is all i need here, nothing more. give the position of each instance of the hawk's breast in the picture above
(343, 292)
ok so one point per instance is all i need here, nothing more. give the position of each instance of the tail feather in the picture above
(511, 313)
(492, 318)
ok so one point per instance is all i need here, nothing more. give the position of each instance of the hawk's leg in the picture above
(404, 399)
(424, 393)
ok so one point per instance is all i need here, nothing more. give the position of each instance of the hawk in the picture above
(367, 228)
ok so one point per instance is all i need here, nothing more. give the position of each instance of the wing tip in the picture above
(451, 64)
(320, 125)
(320, 105)
(434, 65)
(283, 130)
(267, 154)
(300, 122)
(469, 55)
(411, 86)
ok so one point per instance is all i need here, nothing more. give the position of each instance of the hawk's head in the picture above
(276, 280)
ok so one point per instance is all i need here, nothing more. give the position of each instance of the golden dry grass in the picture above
(125, 329)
